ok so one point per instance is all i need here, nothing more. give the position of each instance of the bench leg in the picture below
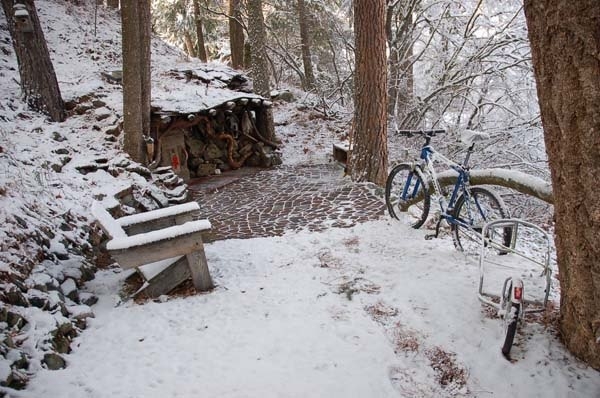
(199, 270)
(168, 279)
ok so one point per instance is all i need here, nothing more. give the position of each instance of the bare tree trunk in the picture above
(201, 50)
(236, 34)
(368, 160)
(38, 79)
(135, 22)
(399, 28)
(258, 37)
(565, 38)
(309, 77)
(145, 27)
(260, 65)
(189, 44)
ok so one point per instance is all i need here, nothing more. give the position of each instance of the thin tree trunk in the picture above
(201, 50)
(189, 44)
(145, 27)
(236, 34)
(38, 80)
(309, 77)
(135, 54)
(258, 37)
(565, 38)
(368, 160)
(260, 66)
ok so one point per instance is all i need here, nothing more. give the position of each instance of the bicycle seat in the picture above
(469, 137)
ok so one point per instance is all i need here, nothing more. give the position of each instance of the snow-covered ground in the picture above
(370, 311)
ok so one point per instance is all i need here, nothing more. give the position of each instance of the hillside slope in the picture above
(49, 175)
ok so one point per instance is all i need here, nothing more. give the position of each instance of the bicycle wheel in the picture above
(511, 329)
(405, 185)
(473, 210)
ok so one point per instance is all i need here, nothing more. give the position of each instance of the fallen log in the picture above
(513, 179)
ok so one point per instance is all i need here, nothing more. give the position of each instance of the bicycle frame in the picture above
(428, 156)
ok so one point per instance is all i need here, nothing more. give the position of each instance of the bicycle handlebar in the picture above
(425, 133)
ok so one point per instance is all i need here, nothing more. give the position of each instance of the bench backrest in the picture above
(107, 222)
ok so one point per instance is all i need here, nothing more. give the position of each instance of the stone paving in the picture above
(251, 203)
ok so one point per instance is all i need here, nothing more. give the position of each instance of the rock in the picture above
(42, 281)
(38, 298)
(88, 272)
(16, 380)
(61, 151)
(284, 96)
(212, 152)
(87, 298)
(72, 271)
(55, 299)
(15, 320)
(14, 296)
(100, 117)
(98, 104)
(54, 361)
(8, 341)
(141, 170)
(18, 358)
(22, 223)
(196, 147)
(87, 168)
(57, 168)
(82, 109)
(205, 169)
(65, 159)
(56, 136)
(113, 131)
(69, 289)
(80, 314)
(62, 337)
(5, 372)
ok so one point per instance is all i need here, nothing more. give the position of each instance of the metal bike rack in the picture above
(515, 225)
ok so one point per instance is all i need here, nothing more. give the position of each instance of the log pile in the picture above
(226, 137)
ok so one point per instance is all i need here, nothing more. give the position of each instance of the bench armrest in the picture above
(159, 219)
(151, 237)
(108, 224)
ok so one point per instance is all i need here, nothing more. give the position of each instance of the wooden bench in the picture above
(340, 151)
(164, 245)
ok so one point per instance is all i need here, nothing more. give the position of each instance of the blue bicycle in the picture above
(410, 187)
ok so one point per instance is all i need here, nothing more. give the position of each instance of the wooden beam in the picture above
(168, 279)
(199, 270)
(136, 256)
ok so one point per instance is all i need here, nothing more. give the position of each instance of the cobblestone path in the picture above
(259, 203)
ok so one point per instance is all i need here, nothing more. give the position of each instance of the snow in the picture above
(112, 227)
(68, 286)
(156, 214)
(278, 325)
(119, 243)
(536, 183)
(347, 312)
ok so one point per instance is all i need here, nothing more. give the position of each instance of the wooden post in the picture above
(199, 270)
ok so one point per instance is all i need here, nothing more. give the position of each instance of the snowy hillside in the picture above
(369, 311)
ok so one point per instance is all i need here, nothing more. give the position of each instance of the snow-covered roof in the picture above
(200, 88)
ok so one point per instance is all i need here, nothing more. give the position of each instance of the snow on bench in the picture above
(165, 246)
